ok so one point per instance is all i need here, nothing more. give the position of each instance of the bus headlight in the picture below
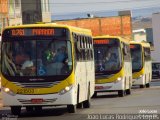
(139, 77)
(66, 89)
(8, 91)
(118, 79)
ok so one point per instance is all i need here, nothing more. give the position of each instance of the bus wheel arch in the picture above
(16, 110)
(71, 108)
(94, 95)
(79, 105)
(87, 103)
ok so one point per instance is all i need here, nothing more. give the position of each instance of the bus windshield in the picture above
(36, 58)
(107, 55)
(136, 53)
(41, 56)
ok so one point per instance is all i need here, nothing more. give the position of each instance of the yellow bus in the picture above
(45, 65)
(113, 68)
(141, 63)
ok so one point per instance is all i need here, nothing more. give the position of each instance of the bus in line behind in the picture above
(113, 68)
(141, 63)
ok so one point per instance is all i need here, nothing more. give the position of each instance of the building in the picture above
(3, 14)
(149, 35)
(144, 35)
(15, 15)
(156, 36)
(10, 13)
(139, 35)
(17, 12)
(35, 11)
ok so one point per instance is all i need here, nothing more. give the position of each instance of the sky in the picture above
(61, 7)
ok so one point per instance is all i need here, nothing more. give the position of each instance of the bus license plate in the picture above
(37, 101)
(25, 91)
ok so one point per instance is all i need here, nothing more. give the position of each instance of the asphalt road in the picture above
(141, 100)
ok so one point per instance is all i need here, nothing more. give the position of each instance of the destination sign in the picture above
(101, 41)
(40, 32)
(32, 32)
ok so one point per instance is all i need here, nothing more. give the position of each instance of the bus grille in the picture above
(45, 101)
(36, 84)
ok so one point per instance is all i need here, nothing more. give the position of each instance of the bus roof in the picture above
(109, 36)
(145, 44)
(49, 25)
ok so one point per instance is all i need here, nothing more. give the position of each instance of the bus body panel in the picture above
(56, 87)
(113, 86)
(116, 85)
(48, 99)
(83, 79)
(139, 80)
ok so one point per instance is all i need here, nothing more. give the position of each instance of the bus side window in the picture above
(78, 47)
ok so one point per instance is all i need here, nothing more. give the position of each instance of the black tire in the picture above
(142, 86)
(87, 104)
(94, 95)
(29, 108)
(79, 105)
(128, 91)
(71, 108)
(16, 110)
(147, 85)
(121, 93)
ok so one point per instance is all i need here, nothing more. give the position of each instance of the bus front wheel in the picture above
(147, 85)
(142, 86)
(121, 93)
(71, 108)
(87, 104)
(128, 91)
(15, 110)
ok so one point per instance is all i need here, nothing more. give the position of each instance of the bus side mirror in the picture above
(125, 51)
(145, 54)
